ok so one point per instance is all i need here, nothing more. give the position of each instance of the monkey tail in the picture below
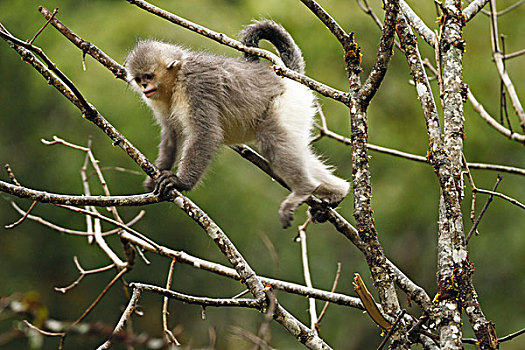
(279, 37)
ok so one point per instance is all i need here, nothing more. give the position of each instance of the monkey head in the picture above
(152, 68)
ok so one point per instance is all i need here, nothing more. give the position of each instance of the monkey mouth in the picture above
(150, 92)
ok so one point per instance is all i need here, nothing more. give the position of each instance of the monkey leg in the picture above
(289, 206)
(332, 189)
(289, 160)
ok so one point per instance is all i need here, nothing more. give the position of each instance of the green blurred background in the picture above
(241, 199)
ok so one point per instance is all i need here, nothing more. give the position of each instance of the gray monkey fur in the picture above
(202, 101)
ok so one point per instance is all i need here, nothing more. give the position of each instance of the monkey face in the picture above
(152, 67)
(147, 85)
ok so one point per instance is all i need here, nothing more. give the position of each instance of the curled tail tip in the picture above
(280, 38)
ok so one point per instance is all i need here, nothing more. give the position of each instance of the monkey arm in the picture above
(169, 148)
(201, 144)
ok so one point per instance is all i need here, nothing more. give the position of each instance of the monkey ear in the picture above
(174, 64)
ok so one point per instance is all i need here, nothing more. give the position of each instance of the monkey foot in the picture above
(319, 215)
(168, 181)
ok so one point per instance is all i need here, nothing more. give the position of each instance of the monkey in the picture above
(202, 101)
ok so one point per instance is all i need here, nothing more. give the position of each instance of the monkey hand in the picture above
(168, 181)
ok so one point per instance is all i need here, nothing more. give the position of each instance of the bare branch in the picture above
(203, 301)
(497, 55)
(483, 210)
(500, 195)
(122, 321)
(99, 201)
(377, 74)
(74, 96)
(334, 286)
(60, 229)
(415, 292)
(99, 297)
(83, 273)
(421, 159)
(478, 107)
(168, 335)
(415, 22)
(329, 22)
(476, 4)
(514, 54)
(306, 273)
(473, 8)
(24, 216)
(86, 46)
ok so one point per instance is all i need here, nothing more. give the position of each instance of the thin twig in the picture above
(238, 295)
(19, 221)
(43, 27)
(83, 273)
(500, 340)
(478, 107)
(99, 297)
(483, 210)
(116, 223)
(168, 335)
(334, 286)
(514, 54)
(497, 55)
(264, 329)
(306, 272)
(511, 336)
(118, 70)
(11, 174)
(49, 334)
(417, 158)
(391, 330)
(64, 230)
(87, 192)
(500, 195)
(472, 185)
(132, 304)
(203, 301)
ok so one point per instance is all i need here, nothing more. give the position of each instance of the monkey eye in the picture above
(148, 76)
(137, 80)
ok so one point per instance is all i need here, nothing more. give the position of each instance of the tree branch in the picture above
(415, 22)
(386, 43)
(330, 23)
(474, 8)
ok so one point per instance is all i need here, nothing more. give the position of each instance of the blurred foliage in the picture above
(241, 199)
